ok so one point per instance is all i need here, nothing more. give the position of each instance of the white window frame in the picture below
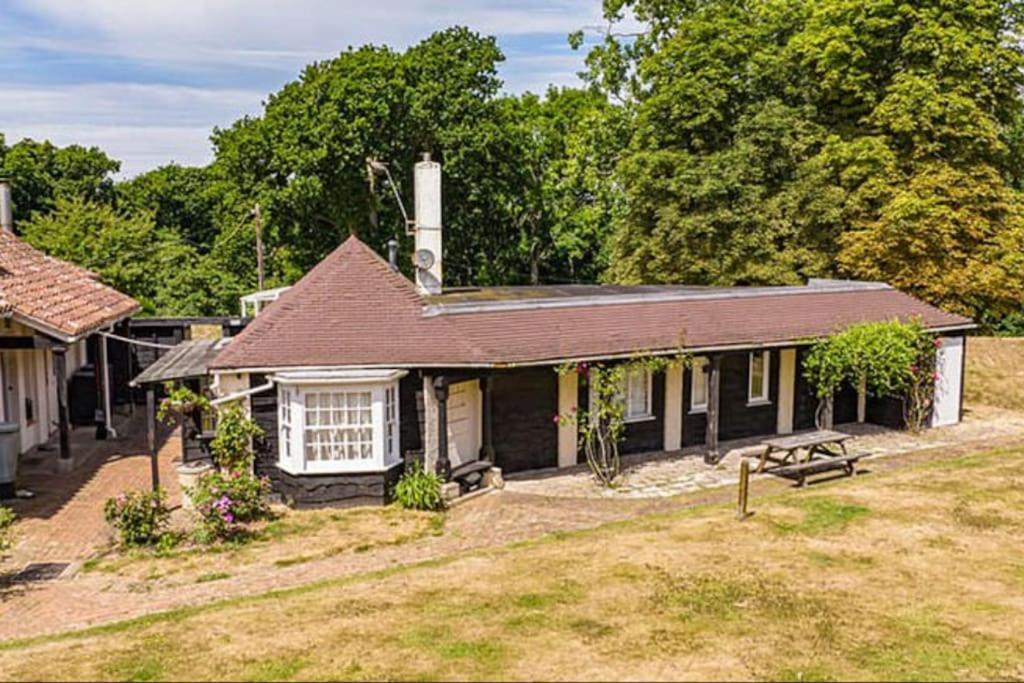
(699, 377)
(623, 397)
(384, 425)
(648, 411)
(764, 398)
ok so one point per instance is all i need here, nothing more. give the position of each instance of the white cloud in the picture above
(265, 32)
(142, 125)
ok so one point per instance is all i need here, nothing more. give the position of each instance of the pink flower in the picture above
(938, 342)
(913, 368)
(557, 419)
(935, 376)
(573, 409)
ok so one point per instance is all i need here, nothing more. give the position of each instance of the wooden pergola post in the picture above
(154, 461)
(60, 369)
(714, 370)
(487, 450)
(443, 467)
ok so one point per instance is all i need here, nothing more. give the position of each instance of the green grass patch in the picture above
(212, 576)
(280, 668)
(820, 515)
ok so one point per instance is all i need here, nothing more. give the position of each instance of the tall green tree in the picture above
(42, 173)
(777, 140)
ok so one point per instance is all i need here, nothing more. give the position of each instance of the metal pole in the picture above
(257, 215)
(154, 462)
(108, 413)
(60, 369)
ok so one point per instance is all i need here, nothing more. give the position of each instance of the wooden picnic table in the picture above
(826, 442)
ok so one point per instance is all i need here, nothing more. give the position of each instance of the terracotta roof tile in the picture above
(53, 295)
(352, 309)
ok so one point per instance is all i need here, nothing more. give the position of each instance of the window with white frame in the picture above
(337, 427)
(757, 386)
(699, 385)
(637, 395)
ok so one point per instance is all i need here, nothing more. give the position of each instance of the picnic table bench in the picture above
(800, 471)
(827, 442)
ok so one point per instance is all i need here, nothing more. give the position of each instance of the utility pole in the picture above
(257, 216)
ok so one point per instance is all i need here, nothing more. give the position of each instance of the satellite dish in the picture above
(423, 259)
(428, 282)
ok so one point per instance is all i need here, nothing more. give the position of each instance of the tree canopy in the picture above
(756, 142)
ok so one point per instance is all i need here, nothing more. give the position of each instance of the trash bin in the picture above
(10, 444)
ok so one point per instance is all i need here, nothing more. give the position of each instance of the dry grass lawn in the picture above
(292, 539)
(914, 573)
(995, 372)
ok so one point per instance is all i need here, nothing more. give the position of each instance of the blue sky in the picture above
(147, 80)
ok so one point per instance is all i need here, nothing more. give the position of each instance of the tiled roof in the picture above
(54, 296)
(353, 310)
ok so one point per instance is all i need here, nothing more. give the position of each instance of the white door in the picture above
(949, 363)
(464, 422)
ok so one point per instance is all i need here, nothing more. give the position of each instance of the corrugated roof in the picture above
(352, 309)
(54, 296)
(189, 358)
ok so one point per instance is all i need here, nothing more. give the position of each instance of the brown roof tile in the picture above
(55, 296)
(353, 310)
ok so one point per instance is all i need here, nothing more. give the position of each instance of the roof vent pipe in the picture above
(428, 257)
(393, 254)
(6, 213)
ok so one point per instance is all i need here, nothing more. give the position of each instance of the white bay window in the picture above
(338, 422)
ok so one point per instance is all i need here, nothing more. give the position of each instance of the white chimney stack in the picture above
(6, 214)
(427, 188)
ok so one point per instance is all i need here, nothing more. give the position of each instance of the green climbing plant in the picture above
(601, 425)
(180, 402)
(893, 358)
(231, 445)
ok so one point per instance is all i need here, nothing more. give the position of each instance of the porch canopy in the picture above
(186, 360)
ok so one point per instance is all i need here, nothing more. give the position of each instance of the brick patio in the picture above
(64, 521)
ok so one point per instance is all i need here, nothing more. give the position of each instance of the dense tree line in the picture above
(763, 141)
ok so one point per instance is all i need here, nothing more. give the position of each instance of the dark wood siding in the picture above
(738, 419)
(804, 401)
(319, 490)
(411, 412)
(648, 435)
(525, 404)
(886, 411)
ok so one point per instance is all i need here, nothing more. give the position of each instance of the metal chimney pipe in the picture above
(393, 254)
(6, 212)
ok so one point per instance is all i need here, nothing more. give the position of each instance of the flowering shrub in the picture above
(602, 426)
(140, 517)
(6, 524)
(889, 358)
(226, 501)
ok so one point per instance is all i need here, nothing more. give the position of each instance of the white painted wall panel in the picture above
(948, 386)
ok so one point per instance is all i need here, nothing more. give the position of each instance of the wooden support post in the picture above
(154, 462)
(443, 467)
(714, 369)
(97, 372)
(487, 450)
(741, 504)
(60, 369)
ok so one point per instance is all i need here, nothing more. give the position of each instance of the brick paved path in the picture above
(64, 522)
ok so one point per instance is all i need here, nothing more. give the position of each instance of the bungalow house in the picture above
(355, 368)
(49, 309)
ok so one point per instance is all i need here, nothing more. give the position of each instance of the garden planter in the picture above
(188, 477)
